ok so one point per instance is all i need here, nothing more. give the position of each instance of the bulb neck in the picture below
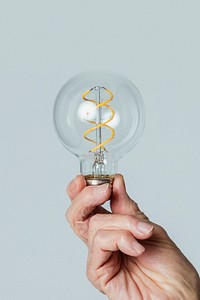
(98, 169)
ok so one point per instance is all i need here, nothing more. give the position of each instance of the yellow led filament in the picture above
(99, 125)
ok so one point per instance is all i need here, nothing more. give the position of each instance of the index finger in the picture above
(86, 201)
(76, 186)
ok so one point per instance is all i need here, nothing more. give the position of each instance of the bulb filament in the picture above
(98, 124)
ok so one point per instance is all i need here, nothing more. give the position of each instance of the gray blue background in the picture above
(43, 43)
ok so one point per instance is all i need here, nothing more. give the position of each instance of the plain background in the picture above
(43, 43)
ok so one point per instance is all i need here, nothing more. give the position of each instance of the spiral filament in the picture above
(100, 122)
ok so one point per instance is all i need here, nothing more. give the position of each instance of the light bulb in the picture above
(99, 116)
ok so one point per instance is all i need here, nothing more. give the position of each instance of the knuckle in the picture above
(99, 237)
(130, 221)
(124, 237)
(90, 273)
(161, 231)
(93, 277)
(94, 221)
(87, 190)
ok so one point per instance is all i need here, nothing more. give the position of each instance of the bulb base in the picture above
(99, 179)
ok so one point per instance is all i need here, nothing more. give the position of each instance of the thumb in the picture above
(121, 203)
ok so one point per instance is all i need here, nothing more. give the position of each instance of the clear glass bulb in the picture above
(99, 116)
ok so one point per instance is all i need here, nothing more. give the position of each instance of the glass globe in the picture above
(99, 116)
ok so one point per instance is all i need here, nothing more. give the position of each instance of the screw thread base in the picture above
(99, 179)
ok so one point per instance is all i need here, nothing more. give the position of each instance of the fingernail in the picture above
(99, 189)
(138, 247)
(144, 227)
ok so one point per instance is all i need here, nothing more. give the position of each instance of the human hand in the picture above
(129, 257)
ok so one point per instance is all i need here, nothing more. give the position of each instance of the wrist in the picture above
(197, 292)
(194, 290)
(186, 288)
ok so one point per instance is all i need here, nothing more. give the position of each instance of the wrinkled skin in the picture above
(129, 257)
